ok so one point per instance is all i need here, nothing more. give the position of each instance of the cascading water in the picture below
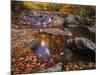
(43, 51)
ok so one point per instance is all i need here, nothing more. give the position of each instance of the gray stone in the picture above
(92, 29)
(58, 21)
(72, 20)
(56, 31)
(82, 41)
(56, 68)
(82, 48)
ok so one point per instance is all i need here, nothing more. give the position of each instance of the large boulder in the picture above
(35, 20)
(72, 20)
(82, 47)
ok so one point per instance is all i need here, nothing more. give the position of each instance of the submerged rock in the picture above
(82, 47)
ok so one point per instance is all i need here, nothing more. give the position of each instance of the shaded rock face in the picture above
(72, 20)
(92, 29)
(75, 20)
(83, 31)
(82, 47)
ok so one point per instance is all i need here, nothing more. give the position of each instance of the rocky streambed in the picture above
(70, 40)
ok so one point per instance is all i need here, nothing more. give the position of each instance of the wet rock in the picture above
(42, 20)
(58, 21)
(92, 29)
(30, 43)
(56, 31)
(36, 20)
(88, 22)
(75, 20)
(72, 20)
(82, 47)
(56, 68)
(67, 55)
